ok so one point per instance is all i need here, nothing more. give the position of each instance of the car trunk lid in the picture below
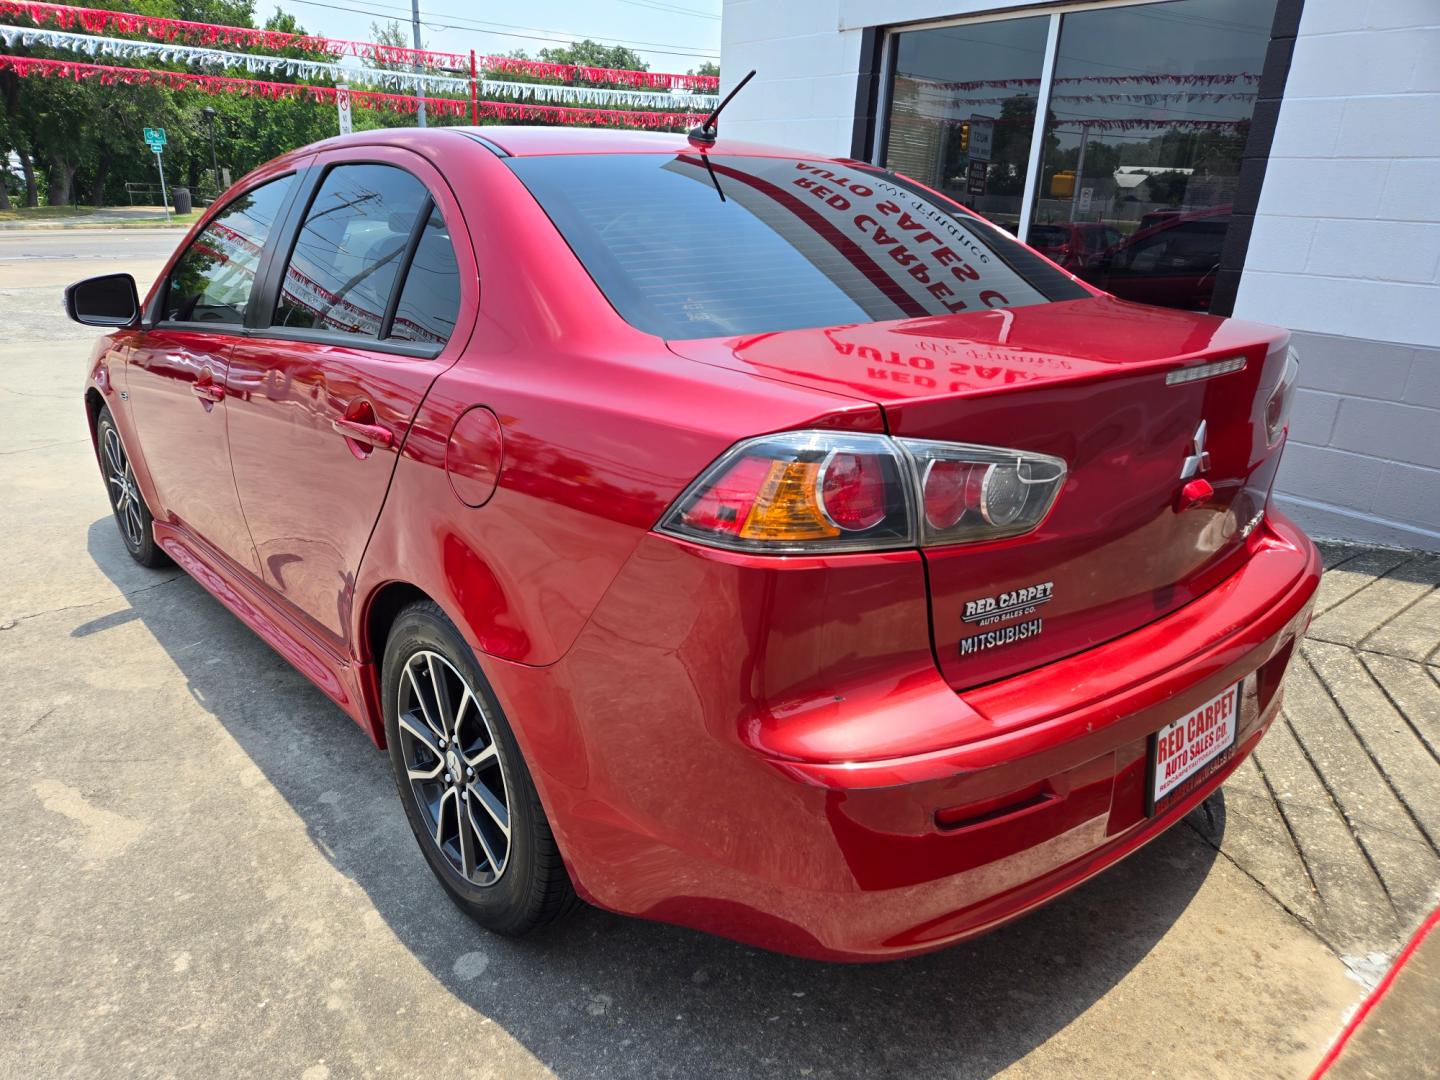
(1105, 385)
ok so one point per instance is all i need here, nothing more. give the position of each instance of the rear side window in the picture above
(753, 244)
(351, 249)
(430, 300)
(212, 280)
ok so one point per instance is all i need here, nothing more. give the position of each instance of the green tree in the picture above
(392, 35)
(709, 67)
(589, 53)
(73, 139)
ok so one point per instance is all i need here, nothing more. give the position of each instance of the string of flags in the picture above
(209, 35)
(25, 66)
(1220, 78)
(398, 80)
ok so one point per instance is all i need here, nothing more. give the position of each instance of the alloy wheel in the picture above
(453, 764)
(124, 495)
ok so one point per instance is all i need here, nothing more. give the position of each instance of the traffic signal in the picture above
(964, 136)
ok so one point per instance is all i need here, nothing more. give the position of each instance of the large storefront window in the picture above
(1148, 111)
(1143, 142)
(963, 110)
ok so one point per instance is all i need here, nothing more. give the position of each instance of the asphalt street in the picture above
(204, 869)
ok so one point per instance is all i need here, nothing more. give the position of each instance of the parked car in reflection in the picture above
(1172, 263)
(1073, 243)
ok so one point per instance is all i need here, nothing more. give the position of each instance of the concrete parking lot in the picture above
(204, 869)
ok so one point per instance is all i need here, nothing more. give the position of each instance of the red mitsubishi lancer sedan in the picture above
(723, 535)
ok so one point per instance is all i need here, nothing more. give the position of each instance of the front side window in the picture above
(350, 250)
(212, 280)
(756, 244)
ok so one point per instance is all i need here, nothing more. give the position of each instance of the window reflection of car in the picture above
(1072, 244)
(1172, 263)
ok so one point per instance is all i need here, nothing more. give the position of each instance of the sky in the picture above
(670, 35)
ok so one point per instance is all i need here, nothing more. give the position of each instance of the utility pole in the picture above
(209, 113)
(164, 195)
(419, 67)
(1079, 169)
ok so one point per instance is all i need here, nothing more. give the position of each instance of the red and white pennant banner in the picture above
(220, 84)
(1222, 78)
(184, 31)
(389, 79)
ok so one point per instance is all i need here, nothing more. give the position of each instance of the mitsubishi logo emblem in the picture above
(1198, 460)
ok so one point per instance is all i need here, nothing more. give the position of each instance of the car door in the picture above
(1174, 266)
(360, 316)
(177, 369)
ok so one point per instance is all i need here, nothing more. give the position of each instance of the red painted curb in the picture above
(1375, 995)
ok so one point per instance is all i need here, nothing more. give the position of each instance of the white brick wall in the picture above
(1346, 251)
(804, 93)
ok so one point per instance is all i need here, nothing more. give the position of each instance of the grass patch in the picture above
(79, 215)
(43, 213)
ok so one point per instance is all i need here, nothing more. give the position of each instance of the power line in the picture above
(672, 9)
(557, 36)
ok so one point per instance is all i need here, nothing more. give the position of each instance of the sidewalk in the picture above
(1397, 1036)
(105, 217)
(1337, 814)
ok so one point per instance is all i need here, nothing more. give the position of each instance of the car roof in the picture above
(522, 141)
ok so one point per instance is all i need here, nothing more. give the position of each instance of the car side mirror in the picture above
(109, 300)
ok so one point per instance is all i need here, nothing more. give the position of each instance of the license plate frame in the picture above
(1224, 721)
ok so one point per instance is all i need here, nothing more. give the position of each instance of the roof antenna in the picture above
(704, 134)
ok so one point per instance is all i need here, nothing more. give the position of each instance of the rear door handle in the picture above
(207, 391)
(370, 434)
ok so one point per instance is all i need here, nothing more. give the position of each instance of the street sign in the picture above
(1086, 194)
(975, 180)
(982, 138)
(342, 105)
(155, 139)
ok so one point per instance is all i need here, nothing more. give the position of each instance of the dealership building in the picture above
(1268, 159)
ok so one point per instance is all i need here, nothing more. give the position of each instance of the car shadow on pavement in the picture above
(597, 994)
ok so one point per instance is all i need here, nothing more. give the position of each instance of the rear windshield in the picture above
(783, 244)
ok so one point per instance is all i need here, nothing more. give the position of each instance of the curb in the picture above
(1375, 995)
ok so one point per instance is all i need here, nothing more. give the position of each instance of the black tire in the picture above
(132, 516)
(532, 886)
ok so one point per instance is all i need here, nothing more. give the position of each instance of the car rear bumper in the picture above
(684, 788)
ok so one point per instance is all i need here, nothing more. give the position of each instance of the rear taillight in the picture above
(972, 493)
(812, 492)
(1277, 408)
(800, 491)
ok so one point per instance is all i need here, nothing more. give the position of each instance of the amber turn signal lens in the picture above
(786, 507)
